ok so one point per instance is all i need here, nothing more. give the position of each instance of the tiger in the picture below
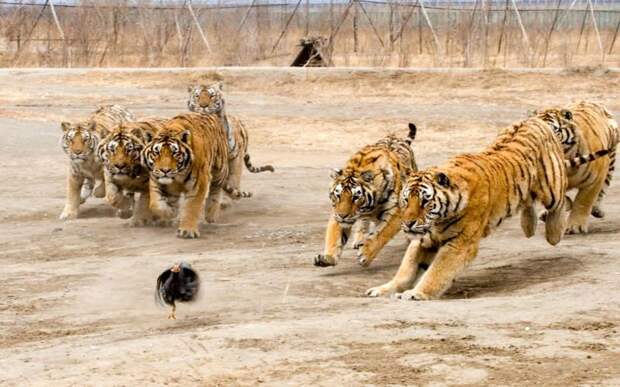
(188, 156)
(584, 127)
(456, 205)
(364, 192)
(209, 99)
(79, 141)
(124, 174)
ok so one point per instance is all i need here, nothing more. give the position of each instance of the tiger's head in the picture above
(206, 99)
(79, 141)
(168, 155)
(355, 192)
(561, 121)
(120, 151)
(428, 197)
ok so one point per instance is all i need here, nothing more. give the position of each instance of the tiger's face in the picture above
(428, 197)
(120, 153)
(206, 99)
(561, 121)
(79, 141)
(168, 155)
(354, 193)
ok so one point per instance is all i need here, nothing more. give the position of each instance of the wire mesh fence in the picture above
(416, 33)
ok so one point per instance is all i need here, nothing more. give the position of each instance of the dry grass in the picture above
(153, 34)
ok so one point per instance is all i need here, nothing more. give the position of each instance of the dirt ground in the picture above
(77, 297)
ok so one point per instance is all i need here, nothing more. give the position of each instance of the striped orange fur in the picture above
(456, 205)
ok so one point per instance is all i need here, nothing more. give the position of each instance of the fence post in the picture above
(200, 31)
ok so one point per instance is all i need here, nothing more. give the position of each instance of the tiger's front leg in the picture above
(417, 254)
(87, 189)
(374, 243)
(99, 191)
(159, 204)
(114, 195)
(72, 204)
(361, 233)
(336, 237)
(192, 209)
(451, 259)
(142, 215)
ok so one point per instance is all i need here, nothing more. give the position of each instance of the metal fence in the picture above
(489, 33)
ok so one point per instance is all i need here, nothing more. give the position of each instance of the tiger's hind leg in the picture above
(336, 237)
(597, 210)
(582, 207)
(214, 203)
(233, 183)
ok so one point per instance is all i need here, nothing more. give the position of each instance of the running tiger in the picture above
(209, 99)
(79, 141)
(188, 156)
(585, 127)
(458, 204)
(364, 192)
(123, 171)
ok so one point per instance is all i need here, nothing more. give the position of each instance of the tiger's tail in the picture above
(235, 193)
(583, 159)
(411, 134)
(253, 169)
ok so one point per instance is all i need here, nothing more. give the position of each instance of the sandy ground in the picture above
(77, 298)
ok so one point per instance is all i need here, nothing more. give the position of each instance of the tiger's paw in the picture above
(597, 212)
(187, 233)
(324, 260)
(211, 219)
(124, 214)
(140, 222)
(358, 243)
(363, 260)
(412, 295)
(68, 215)
(577, 229)
(163, 210)
(379, 291)
(366, 254)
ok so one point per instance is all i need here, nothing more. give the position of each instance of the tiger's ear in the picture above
(442, 179)
(567, 114)
(412, 131)
(185, 136)
(137, 132)
(334, 173)
(92, 125)
(220, 86)
(65, 126)
(368, 176)
(148, 137)
(189, 89)
(532, 112)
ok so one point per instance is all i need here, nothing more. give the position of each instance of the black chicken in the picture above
(179, 283)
